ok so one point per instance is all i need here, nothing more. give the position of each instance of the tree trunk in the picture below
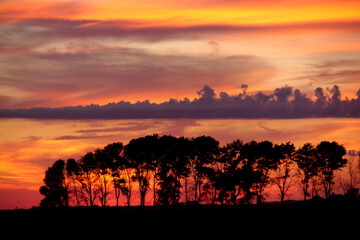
(154, 187)
(195, 190)
(117, 195)
(282, 198)
(90, 197)
(186, 195)
(128, 173)
(305, 191)
(259, 196)
(199, 196)
(76, 194)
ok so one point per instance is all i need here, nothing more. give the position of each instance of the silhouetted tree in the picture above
(306, 161)
(109, 161)
(268, 159)
(55, 190)
(330, 158)
(158, 152)
(103, 171)
(126, 188)
(249, 175)
(228, 177)
(181, 168)
(142, 154)
(258, 159)
(168, 183)
(88, 177)
(232, 174)
(209, 188)
(205, 150)
(72, 173)
(168, 190)
(114, 163)
(353, 179)
(284, 177)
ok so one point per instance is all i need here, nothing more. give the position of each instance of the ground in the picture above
(291, 220)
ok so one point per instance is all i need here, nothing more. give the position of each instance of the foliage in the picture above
(330, 158)
(190, 170)
(55, 190)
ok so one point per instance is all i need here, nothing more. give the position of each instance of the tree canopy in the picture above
(190, 171)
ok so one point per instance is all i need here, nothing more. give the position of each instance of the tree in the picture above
(88, 177)
(108, 162)
(114, 163)
(306, 160)
(330, 158)
(72, 173)
(353, 180)
(258, 159)
(127, 178)
(235, 173)
(228, 176)
(103, 171)
(181, 167)
(168, 179)
(122, 172)
(168, 190)
(284, 177)
(205, 150)
(55, 190)
(142, 154)
(250, 177)
(268, 160)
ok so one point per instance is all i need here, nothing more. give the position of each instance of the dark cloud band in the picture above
(283, 103)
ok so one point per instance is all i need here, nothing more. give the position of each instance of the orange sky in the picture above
(285, 37)
(187, 12)
(28, 147)
(65, 53)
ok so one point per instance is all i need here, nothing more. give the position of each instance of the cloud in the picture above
(336, 76)
(283, 103)
(56, 77)
(353, 153)
(339, 71)
(32, 138)
(40, 9)
(26, 34)
(57, 62)
(336, 63)
(138, 126)
(84, 136)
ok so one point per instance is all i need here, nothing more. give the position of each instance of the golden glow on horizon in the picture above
(23, 161)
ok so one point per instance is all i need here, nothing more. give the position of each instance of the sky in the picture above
(260, 64)
(66, 53)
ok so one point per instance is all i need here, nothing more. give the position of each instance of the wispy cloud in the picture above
(28, 33)
(52, 78)
(84, 136)
(337, 71)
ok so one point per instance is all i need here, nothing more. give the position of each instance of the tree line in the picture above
(180, 170)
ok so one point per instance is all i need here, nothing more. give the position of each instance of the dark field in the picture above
(296, 219)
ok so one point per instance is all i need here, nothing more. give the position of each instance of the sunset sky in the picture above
(69, 53)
